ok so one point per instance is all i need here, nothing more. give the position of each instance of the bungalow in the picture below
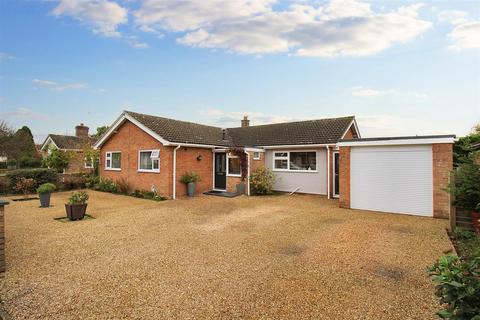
(75, 145)
(315, 156)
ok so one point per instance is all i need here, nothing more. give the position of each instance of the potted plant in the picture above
(44, 192)
(77, 205)
(190, 178)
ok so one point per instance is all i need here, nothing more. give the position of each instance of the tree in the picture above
(463, 147)
(100, 131)
(57, 160)
(6, 138)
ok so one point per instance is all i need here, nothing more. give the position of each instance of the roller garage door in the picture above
(392, 179)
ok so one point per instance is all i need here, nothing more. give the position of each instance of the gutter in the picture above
(174, 184)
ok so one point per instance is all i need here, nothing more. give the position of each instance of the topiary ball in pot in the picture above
(44, 192)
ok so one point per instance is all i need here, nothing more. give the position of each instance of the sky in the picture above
(401, 67)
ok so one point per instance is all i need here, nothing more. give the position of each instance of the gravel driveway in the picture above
(278, 257)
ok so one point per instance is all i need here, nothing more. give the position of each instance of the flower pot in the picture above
(240, 188)
(475, 220)
(75, 211)
(191, 189)
(44, 200)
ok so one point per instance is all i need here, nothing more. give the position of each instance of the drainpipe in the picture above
(175, 172)
(248, 173)
(328, 172)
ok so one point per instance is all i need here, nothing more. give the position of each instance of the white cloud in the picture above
(364, 92)
(453, 16)
(55, 86)
(5, 56)
(23, 113)
(338, 28)
(388, 125)
(228, 119)
(102, 16)
(465, 36)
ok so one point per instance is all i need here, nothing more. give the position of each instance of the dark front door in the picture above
(336, 163)
(220, 171)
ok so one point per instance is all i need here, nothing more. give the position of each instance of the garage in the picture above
(404, 175)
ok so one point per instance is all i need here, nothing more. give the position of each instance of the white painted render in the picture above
(307, 182)
(392, 179)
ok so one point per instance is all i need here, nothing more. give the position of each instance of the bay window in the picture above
(149, 160)
(295, 161)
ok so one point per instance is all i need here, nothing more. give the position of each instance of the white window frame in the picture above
(87, 164)
(147, 170)
(228, 168)
(288, 161)
(256, 155)
(108, 156)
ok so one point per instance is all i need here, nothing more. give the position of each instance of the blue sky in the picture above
(402, 68)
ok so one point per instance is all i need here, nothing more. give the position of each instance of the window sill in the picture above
(234, 175)
(112, 169)
(294, 171)
(148, 171)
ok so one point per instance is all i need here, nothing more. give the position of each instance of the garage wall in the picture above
(392, 179)
(309, 182)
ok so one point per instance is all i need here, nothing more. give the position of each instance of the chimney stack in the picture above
(245, 121)
(81, 131)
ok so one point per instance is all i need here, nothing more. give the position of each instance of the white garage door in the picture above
(392, 179)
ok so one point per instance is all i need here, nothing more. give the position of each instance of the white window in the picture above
(256, 156)
(149, 160)
(88, 162)
(113, 160)
(300, 161)
(233, 166)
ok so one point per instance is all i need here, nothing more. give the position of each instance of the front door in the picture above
(220, 171)
(336, 174)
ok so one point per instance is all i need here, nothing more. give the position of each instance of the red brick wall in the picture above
(187, 161)
(442, 156)
(76, 163)
(129, 139)
(344, 201)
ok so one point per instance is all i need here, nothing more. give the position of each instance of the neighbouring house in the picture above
(75, 146)
(150, 152)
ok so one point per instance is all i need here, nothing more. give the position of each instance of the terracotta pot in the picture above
(76, 211)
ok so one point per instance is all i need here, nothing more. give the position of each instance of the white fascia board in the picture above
(125, 116)
(354, 123)
(49, 139)
(399, 142)
(296, 146)
(193, 145)
(254, 150)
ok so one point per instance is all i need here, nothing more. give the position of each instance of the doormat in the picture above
(221, 193)
(65, 219)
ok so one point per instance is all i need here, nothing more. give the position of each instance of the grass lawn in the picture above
(281, 257)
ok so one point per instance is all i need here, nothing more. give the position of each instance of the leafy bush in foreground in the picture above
(40, 175)
(262, 181)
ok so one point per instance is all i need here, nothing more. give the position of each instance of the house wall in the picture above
(308, 182)
(254, 164)
(130, 139)
(76, 164)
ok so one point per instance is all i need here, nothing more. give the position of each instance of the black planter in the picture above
(44, 200)
(240, 188)
(75, 211)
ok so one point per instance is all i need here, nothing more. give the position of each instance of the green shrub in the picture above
(458, 286)
(40, 175)
(79, 197)
(91, 181)
(106, 185)
(24, 185)
(57, 160)
(467, 186)
(46, 188)
(30, 162)
(3, 165)
(143, 194)
(123, 186)
(262, 181)
(190, 176)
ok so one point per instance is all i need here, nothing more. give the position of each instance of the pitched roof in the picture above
(321, 131)
(70, 142)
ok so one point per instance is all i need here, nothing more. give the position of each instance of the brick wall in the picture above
(344, 201)
(76, 164)
(129, 139)
(442, 158)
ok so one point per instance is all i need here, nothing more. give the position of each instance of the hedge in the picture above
(40, 175)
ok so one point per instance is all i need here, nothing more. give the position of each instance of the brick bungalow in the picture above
(75, 145)
(306, 156)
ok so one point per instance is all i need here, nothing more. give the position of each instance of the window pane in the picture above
(116, 160)
(281, 164)
(280, 154)
(108, 163)
(145, 160)
(303, 161)
(156, 164)
(155, 154)
(233, 165)
(256, 155)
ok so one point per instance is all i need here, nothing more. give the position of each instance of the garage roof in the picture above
(401, 140)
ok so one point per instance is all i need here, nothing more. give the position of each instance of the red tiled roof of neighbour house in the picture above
(322, 131)
(71, 142)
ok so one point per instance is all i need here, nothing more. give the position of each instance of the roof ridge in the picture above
(183, 121)
(291, 122)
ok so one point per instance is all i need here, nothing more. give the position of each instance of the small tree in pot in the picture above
(44, 191)
(190, 178)
(243, 158)
(77, 205)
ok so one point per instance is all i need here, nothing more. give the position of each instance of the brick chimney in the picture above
(245, 121)
(81, 131)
